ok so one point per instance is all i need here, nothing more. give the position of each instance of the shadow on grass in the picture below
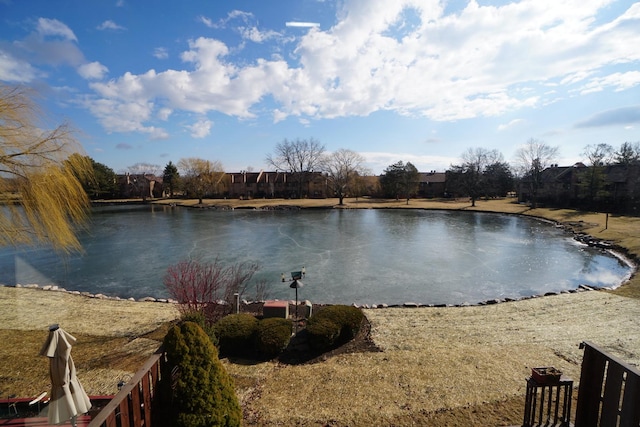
(300, 352)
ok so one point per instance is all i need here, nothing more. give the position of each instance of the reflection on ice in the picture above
(351, 256)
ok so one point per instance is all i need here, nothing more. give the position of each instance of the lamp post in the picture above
(295, 284)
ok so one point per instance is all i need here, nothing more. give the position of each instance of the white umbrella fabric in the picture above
(68, 398)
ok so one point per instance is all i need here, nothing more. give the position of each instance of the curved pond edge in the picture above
(55, 288)
(617, 251)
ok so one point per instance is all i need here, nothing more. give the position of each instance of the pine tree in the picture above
(201, 390)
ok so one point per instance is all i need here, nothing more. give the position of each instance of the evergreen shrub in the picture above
(322, 333)
(200, 319)
(200, 390)
(272, 336)
(333, 325)
(236, 334)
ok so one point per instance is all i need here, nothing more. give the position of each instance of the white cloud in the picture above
(161, 53)
(110, 25)
(156, 133)
(92, 71)
(164, 113)
(302, 24)
(379, 161)
(245, 17)
(200, 129)
(118, 116)
(15, 70)
(448, 67)
(257, 36)
(618, 81)
(406, 56)
(53, 27)
(145, 168)
(248, 29)
(511, 124)
(240, 14)
(207, 22)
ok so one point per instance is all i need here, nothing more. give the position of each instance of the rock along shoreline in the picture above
(245, 303)
(615, 250)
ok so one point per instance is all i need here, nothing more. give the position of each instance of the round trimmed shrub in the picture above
(200, 390)
(322, 333)
(333, 325)
(349, 318)
(272, 336)
(235, 334)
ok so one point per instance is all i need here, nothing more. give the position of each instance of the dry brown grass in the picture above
(114, 337)
(443, 360)
(460, 366)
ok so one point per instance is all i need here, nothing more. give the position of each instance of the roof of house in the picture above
(431, 177)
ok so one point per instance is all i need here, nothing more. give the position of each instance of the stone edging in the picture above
(618, 251)
(55, 288)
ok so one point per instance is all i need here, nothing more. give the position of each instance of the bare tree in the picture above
(299, 157)
(208, 287)
(343, 167)
(598, 154)
(201, 177)
(145, 169)
(533, 158)
(40, 179)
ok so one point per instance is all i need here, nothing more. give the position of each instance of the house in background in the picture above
(140, 186)
(249, 185)
(610, 188)
(558, 184)
(431, 184)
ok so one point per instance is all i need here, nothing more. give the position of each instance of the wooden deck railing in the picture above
(609, 392)
(131, 407)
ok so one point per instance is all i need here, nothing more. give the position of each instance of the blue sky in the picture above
(147, 82)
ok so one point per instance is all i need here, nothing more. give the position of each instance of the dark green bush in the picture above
(236, 333)
(333, 325)
(322, 333)
(272, 336)
(349, 318)
(200, 390)
(199, 318)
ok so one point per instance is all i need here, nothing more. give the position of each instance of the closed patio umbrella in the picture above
(68, 398)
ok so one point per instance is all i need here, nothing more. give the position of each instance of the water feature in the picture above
(361, 256)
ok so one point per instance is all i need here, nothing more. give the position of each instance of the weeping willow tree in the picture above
(41, 195)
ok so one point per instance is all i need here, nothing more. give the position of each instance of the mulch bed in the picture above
(299, 352)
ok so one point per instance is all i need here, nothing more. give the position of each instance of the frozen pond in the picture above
(351, 256)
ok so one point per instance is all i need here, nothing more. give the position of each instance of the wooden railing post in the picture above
(133, 403)
(609, 390)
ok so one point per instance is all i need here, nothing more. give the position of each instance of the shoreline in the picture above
(244, 302)
(574, 228)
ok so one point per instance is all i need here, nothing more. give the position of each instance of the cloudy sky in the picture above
(148, 82)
